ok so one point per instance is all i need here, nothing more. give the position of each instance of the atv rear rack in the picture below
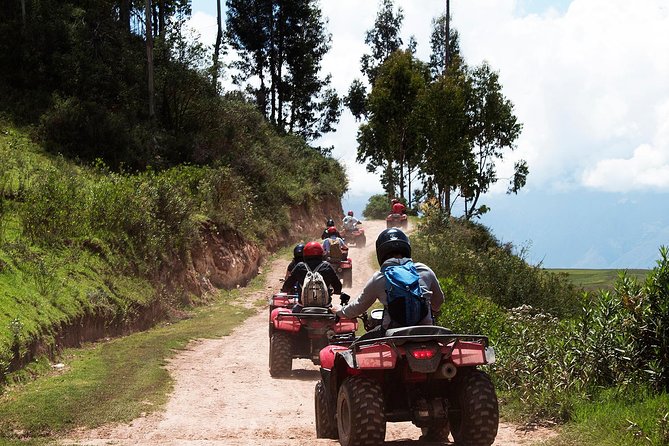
(400, 340)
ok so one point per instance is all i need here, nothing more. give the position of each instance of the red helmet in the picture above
(350, 213)
(332, 230)
(313, 249)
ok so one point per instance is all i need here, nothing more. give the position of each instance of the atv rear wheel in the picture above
(361, 242)
(361, 420)
(476, 421)
(326, 425)
(280, 354)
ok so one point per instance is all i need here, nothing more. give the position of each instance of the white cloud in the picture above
(646, 169)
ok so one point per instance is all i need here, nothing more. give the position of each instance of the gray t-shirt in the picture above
(375, 289)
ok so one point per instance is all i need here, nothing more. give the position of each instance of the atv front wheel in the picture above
(361, 420)
(475, 421)
(326, 426)
(280, 354)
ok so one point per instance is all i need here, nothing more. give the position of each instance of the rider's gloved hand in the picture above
(344, 298)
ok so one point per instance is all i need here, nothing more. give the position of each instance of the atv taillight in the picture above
(423, 353)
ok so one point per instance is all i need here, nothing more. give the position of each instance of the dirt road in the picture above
(224, 395)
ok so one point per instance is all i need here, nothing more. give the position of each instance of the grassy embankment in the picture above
(595, 363)
(84, 243)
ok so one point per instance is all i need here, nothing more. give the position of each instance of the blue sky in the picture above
(589, 82)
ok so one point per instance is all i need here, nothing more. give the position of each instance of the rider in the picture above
(298, 256)
(397, 206)
(334, 238)
(350, 221)
(393, 248)
(313, 259)
(329, 224)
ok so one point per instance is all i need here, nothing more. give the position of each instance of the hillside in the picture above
(87, 252)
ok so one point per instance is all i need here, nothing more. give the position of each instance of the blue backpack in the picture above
(407, 304)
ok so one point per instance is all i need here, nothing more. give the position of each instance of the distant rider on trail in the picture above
(350, 222)
(334, 246)
(329, 224)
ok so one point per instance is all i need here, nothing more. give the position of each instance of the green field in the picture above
(598, 279)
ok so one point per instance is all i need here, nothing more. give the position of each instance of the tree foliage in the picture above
(389, 140)
(447, 123)
(281, 45)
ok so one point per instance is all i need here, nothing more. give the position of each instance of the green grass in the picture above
(89, 391)
(614, 421)
(597, 279)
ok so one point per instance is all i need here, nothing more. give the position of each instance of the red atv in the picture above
(280, 300)
(397, 221)
(424, 374)
(356, 237)
(303, 335)
(343, 267)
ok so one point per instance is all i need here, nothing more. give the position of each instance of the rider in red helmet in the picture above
(334, 246)
(313, 261)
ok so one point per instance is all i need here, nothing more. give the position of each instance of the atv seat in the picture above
(418, 330)
(315, 310)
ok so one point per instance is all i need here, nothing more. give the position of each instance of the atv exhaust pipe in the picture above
(447, 371)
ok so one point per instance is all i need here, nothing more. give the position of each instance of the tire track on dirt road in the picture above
(223, 394)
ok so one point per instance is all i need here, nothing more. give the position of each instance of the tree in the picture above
(443, 129)
(493, 128)
(217, 46)
(389, 139)
(439, 50)
(384, 39)
(281, 44)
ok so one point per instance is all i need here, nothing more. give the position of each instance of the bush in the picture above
(377, 207)
(470, 255)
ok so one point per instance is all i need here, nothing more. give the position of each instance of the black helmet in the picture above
(392, 241)
(298, 251)
(330, 222)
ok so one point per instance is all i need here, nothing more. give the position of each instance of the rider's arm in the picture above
(292, 279)
(372, 291)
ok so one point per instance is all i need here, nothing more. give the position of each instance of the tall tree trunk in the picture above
(217, 46)
(161, 18)
(280, 86)
(124, 14)
(149, 59)
(272, 63)
(23, 12)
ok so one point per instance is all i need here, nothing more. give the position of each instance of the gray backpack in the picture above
(314, 289)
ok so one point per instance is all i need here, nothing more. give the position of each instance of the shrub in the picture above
(377, 207)
(469, 254)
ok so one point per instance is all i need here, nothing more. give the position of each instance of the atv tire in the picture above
(280, 354)
(326, 425)
(361, 420)
(476, 419)
(361, 242)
